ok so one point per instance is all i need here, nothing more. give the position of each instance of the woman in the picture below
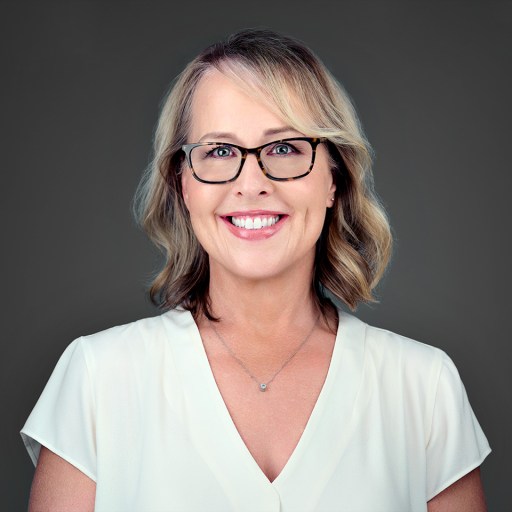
(253, 392)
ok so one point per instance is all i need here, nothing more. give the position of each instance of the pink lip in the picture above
(254, 234)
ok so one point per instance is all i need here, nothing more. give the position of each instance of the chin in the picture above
(260, 267)
(250, 270)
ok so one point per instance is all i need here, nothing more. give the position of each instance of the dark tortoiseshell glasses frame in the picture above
(314, 141)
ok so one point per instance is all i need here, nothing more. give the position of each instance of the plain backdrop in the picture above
(81, 84)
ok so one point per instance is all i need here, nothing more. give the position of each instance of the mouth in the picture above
(254, 222)
(254, 225)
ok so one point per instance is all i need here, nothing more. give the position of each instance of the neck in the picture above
(267, 306)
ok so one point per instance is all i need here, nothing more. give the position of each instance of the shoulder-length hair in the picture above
(355, 244)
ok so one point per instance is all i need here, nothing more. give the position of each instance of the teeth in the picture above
(254, 222)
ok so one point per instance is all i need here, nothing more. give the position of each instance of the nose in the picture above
(252, 182)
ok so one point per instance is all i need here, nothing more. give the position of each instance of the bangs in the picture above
(283, 92)
(309, 100)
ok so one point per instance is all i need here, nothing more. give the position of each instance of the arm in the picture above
(59, 486)
(465, 495)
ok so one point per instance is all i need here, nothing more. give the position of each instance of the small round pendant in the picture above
(263, 387)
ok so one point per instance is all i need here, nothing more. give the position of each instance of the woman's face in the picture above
(221, 111)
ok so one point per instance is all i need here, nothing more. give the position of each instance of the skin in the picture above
(59, 486)
(262, 285)
(219, 106)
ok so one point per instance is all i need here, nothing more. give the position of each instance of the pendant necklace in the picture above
(263, 386)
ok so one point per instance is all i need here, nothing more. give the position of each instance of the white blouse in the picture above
(137, 409)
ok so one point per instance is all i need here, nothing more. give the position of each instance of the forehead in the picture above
(220, 105)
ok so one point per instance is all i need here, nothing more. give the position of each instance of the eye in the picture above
(220, 152)
(283, 149)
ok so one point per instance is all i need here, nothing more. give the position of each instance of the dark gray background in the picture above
(80, 88)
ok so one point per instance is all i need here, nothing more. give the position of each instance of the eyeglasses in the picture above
(281, 160)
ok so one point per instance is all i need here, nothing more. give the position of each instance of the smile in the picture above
(257, 222)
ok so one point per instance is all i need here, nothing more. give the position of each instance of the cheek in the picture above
(192, 194)
(201, 201)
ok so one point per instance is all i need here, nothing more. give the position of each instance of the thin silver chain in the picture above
(263, 385)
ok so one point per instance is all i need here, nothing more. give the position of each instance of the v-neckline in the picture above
(211, 426)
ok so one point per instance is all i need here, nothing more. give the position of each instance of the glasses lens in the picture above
(215, 162)
(287, 159)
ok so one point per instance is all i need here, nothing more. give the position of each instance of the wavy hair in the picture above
(355, 244)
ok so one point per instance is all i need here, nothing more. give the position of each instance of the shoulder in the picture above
(406, 362)
(391, 346)
(121, 364)
(141, 331)
(406, 375)
(413, 392)
(136, 342)
(384, 344)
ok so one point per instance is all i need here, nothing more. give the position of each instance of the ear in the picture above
(331, 195)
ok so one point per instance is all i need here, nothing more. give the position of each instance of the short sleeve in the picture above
(456, 444)
(63, 419)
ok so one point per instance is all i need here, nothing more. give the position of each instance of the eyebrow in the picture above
(232, 136)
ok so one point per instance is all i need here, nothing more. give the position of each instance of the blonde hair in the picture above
(355, 244)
